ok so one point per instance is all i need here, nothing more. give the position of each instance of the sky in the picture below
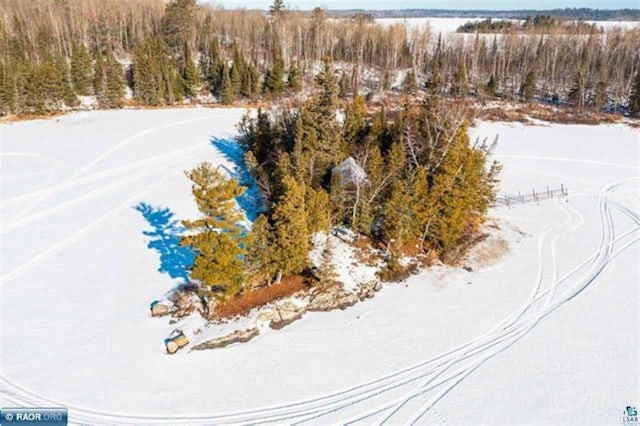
(436, 4)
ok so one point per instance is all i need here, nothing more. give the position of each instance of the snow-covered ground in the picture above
(547, 334)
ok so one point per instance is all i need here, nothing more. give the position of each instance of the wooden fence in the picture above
(531, 197)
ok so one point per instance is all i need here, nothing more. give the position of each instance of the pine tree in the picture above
(179, 23)
(386, 81)
(410, 84)
(492, 87)
(327, 81)
(434, 83)
(634, 97)
(8, 89)
(81, 69)
(576, 94)
(146, 87)
(259, 251)
(291, 238)
(30, 90)
(318, 210)
(354, 121)
(344, 85)
(294, 80)
(216, 237)
(190, 75)
(528, 87)
(459, 86)
(113, 92)
(278, 8)
(62, 68)
(398, 216)
(51, 83)
(227, 92)
(274, 79)
(100, 72)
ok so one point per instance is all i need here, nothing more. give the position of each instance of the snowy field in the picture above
(547, 334)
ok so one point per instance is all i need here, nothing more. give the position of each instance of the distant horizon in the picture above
(463, 5)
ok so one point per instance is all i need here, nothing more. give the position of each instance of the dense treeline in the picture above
(52, 52)
(413, 182)
(531, 25)
(587, 71)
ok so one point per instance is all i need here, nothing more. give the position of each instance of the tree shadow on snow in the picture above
(175, 260)
(251, 201)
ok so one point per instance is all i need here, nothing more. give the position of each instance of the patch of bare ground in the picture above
(488, 248)
(527, 112)
(244, 303)
(367, 252)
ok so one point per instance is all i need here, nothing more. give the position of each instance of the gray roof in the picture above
(350, 172)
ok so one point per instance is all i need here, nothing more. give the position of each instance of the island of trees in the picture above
(411, 182)
(539, 24)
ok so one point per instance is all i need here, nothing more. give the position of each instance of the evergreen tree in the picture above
(31, 98)
(492, 87)
(344, 85)
(459, 86)
(62, 68)
(634, 97)
(99, 74)
(354, 121)
(576, 94)
(259, 251)
(601, 97)
(111, 96)
(81, 74)
(398, 216)
(274, 78)
(278, 8)
(327, 81)
(190, 74)
(291, 238)
(227, 92)
(434, 83)
(528, 87)
(294, 80)
(146, 87)
(216, 237)
(179, 23)
(410, 84)
(8, 89)
(317, 206)
(386, 81)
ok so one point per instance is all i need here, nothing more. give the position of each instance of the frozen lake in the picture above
(546, 335)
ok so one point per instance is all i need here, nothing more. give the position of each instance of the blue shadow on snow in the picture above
(251, 201)
(175, 260)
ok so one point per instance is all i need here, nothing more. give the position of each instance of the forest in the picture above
(65, 54)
